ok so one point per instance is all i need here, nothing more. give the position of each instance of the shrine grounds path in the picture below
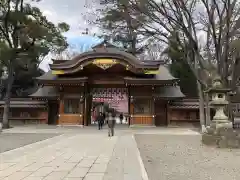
(74, 153)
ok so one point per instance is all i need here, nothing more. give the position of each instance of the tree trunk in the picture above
(8, 97)
(201, 106)
(208, 113)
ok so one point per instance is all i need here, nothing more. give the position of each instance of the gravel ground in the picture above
(182, 157)
(9, 141)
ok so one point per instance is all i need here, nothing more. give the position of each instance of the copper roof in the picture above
(169, 92)
(24, 103)
(49, 76)
(163, 76)
(45, 92)
(185, 104)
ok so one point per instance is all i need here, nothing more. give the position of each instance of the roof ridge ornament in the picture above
(105, 63)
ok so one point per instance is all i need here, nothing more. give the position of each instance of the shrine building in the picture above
(141, 90)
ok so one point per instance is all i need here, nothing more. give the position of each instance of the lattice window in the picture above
(188, 116)
(25, 114)
(142, 106)
(72, 106)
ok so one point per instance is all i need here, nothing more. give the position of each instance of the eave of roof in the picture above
(169, 92)
(146, 81)
(49, 77)
(45, 92)
(163, 76)
(185, 104)
(24, 103)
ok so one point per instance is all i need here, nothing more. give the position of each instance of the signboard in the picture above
(104, 63)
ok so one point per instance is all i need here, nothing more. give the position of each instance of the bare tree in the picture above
(211, 55)
(154, 51)
(66, 55)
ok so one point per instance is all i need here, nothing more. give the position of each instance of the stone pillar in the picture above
(208, 111)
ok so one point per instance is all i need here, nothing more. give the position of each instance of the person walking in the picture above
(104, 118)
(121, 118)
(100, 120)
(111, 124)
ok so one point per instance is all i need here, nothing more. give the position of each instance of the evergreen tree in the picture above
(25, 36)
(122, 25)
(181, 69)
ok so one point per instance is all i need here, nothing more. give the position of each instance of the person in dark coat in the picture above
(104, 117)
(100, 120)
(121, 118)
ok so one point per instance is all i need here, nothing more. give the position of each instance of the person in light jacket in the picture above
(111, 121)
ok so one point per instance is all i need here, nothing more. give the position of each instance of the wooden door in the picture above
(160, 107)
(53, 111)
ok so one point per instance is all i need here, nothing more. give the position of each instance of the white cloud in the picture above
(47, 13)
(69, 11)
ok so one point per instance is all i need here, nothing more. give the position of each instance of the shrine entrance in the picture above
(109, 79)
(106, 100)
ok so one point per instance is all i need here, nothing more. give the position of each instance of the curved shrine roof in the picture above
(148, 72)
(168, 92)
(113, 53)
(163, 76)
(46, 92)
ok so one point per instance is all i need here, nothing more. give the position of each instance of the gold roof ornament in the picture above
(151, 71)
(105, 63)
(58, 72)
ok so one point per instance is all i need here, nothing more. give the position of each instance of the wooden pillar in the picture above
(61, 106)
(85, 114)
(61, 109)
(129, 105)
(153, 111)
(168, 113)
(89, 103)
(153, 106)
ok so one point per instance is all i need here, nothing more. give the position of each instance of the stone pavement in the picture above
(9, 141)
(74, 156)
(78, 154)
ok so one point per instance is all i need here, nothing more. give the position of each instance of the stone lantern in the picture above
(219, 102)
(220, 132)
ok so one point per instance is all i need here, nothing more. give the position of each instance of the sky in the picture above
(73, 12)
(69, 11)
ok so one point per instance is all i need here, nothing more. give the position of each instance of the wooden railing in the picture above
(70, 119)
(141, 119)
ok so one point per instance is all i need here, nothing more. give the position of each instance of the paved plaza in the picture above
(9, 141)
(75, 153)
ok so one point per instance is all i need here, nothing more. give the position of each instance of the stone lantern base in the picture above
(221, 135)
